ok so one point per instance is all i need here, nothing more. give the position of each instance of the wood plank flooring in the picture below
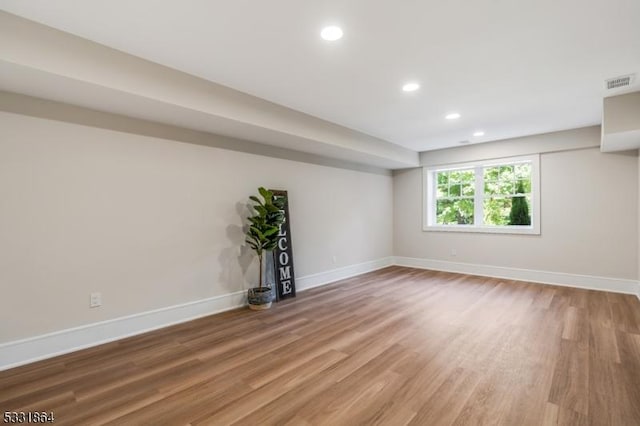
(398, 346)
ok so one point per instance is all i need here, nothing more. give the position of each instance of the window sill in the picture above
(519, 230)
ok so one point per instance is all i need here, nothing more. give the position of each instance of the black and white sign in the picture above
(283, 255)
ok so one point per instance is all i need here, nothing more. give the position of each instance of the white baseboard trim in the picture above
(589, 282)
(25, 351)
(327, 277)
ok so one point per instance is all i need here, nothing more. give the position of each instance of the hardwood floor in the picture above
(394, 347)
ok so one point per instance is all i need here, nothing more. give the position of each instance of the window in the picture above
(455, 197)
(490, 196)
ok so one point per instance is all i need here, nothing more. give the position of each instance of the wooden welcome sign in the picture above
(283, 255)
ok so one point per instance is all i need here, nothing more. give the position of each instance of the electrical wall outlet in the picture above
(454, 252)
(335, 259)
(95, 300)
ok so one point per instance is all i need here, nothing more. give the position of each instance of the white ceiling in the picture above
(511, 68)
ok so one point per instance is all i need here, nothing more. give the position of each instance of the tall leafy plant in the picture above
(262, 234)
(519, 214)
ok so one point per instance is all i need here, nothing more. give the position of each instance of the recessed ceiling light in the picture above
(410, 87)
(452, 116)
(478, 133)
(331, 33)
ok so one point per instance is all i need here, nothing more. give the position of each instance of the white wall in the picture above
(585, 137)
(153, 223)
(621, 122)
(589, 223)
(621, 113)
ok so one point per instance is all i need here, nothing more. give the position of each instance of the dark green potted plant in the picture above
(262, 236)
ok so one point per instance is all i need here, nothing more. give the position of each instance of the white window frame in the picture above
(429, 191)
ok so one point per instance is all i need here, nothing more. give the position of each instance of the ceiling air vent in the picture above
(617, 82)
